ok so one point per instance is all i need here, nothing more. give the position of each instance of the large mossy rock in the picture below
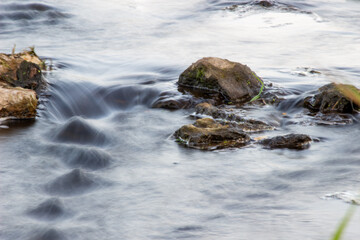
(22, 70)
(17, 102)
(334, 98)
(206, 134)
(234, 81)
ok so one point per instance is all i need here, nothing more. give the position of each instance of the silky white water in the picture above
(122, 176)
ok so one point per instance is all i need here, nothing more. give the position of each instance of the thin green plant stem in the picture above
(261, 89)
(344, 222)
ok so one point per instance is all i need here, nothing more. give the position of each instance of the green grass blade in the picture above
(344, 222)
(261, 89)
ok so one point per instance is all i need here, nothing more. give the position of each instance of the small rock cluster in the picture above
(223, 81)
(20, 80)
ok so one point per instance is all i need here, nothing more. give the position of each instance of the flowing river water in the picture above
(99, 162)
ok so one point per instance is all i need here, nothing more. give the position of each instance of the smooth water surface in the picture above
(99, 162)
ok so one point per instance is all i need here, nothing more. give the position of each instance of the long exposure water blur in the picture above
(123, 176)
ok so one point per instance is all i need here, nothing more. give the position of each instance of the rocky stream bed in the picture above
(209, 81)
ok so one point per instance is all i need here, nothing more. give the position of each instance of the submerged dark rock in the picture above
(125, 97)
(48, 234)
(48, 210)
(171, 104)
(234, 81)
(333, 119)
(208, 109)
(77, 130)
(230, 117)
(206, 134)
(71, 183)
(175, 101)
(88, 158)
(331, 98)
(291, 141)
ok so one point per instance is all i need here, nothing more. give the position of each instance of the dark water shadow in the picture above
(47, 234)
(74, 183)
(48, 210)
(15, 126)
(127, 97)
(90, 158)
(77, 130)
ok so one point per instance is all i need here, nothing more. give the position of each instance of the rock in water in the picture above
(233, 119)
(17, 102)
(291, 141)
(49, 234)
(74, 182)
(174, 102)
(207, 134)
(234, 81)
(21, 70)
(17, 72)
(333, 98)
(48, 210)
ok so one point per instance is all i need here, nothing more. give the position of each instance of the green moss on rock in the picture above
(206, 134)
(233, 80)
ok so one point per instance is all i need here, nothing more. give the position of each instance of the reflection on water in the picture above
(99, 161)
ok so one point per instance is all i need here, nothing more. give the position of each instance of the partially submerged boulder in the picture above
(206, 134)
(229, 116)
(334, 98)
(17, 102)
(291, 141)
(21, 70)
(234, 81)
